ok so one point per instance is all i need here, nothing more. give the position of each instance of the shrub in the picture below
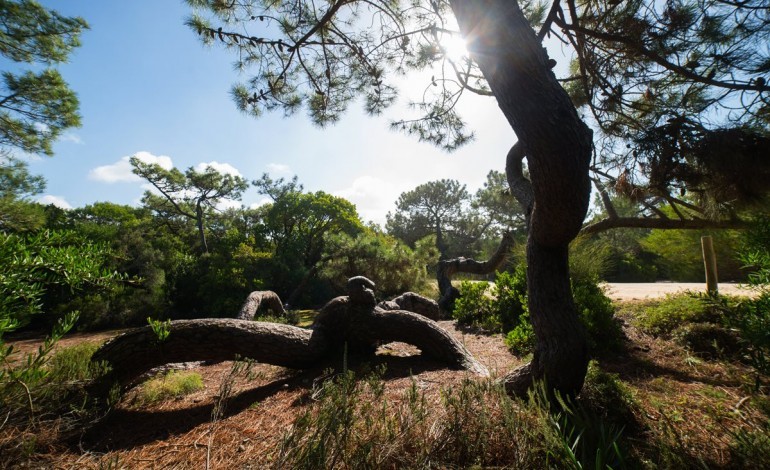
(174, 384)
(499, 311)
(597, 314)
(608, 396)
(752, 320)
(475, 308)
(74, 364)
(355, 424)
(663, 317)
(707, 339)
(510, 294)
(521, 339)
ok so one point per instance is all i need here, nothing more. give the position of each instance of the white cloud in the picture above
(57, 201)
(120, 171)
(225, 204)
(71, 137)
(260, 203)
(279, 168)
(372, 196)
(41, 127)
(224, 168)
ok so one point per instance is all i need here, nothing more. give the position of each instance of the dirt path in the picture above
(648, 290)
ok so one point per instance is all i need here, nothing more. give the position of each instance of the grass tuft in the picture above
(174, 384)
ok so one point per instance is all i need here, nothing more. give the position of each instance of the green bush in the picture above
(475, 308)
(521, 339)
(595, 311)
(355, 424)
(752, 320)
(498, 311)
(74, 364)
(597, 314)
(510, 294)
(608, 396)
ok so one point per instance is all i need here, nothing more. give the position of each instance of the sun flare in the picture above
(453, 46)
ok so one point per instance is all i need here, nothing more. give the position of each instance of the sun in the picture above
(453, 46)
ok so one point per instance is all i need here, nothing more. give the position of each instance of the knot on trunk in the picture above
(361, 292)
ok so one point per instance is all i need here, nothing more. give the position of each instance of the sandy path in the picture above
(640, 291)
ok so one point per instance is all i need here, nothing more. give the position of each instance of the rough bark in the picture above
(139, 350)
(557, 145)
(256, 299)
(413, 302)
(352, 320)
(448, 268)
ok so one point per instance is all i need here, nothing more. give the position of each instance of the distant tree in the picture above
(496, 203)
(392, 265)
(296, 225)
(36, 106)
(17, 212)
(441, 208)
(192, 194)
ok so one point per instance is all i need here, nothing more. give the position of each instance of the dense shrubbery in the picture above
(505, 310)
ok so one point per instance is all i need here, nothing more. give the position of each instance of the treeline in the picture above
(180, 255)
(152, 260)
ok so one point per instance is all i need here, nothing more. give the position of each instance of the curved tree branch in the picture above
(681, 224)
(256, 299)
(352, 320)
(448, 268)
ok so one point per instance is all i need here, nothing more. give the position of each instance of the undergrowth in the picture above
(355, 424)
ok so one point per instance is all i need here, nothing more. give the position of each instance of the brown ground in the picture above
(698, 398)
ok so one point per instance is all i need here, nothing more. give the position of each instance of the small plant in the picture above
(751, 447)
(577, 437)
(161, 328)
(174, 384)
(521, 339)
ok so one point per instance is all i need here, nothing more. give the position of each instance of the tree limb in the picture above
(655, 223)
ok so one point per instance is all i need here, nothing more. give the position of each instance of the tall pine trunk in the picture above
(557, 145)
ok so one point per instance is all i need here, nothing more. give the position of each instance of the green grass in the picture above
(74, 364)
(174, 384)
(662, 317)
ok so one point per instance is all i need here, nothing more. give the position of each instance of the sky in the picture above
(148, 87)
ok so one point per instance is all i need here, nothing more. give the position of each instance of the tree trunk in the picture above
(353, 321)
(557, 145)
(199, 224)
(139, 350)
(448, 268)
(256, 299)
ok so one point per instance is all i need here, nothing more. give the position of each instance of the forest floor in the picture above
(691, 404)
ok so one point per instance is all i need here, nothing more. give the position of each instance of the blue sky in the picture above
(146, 84)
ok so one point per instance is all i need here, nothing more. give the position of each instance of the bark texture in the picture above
(413, 302)
(139, 350)
(351, 320)
(557, 146)
(258, 298)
